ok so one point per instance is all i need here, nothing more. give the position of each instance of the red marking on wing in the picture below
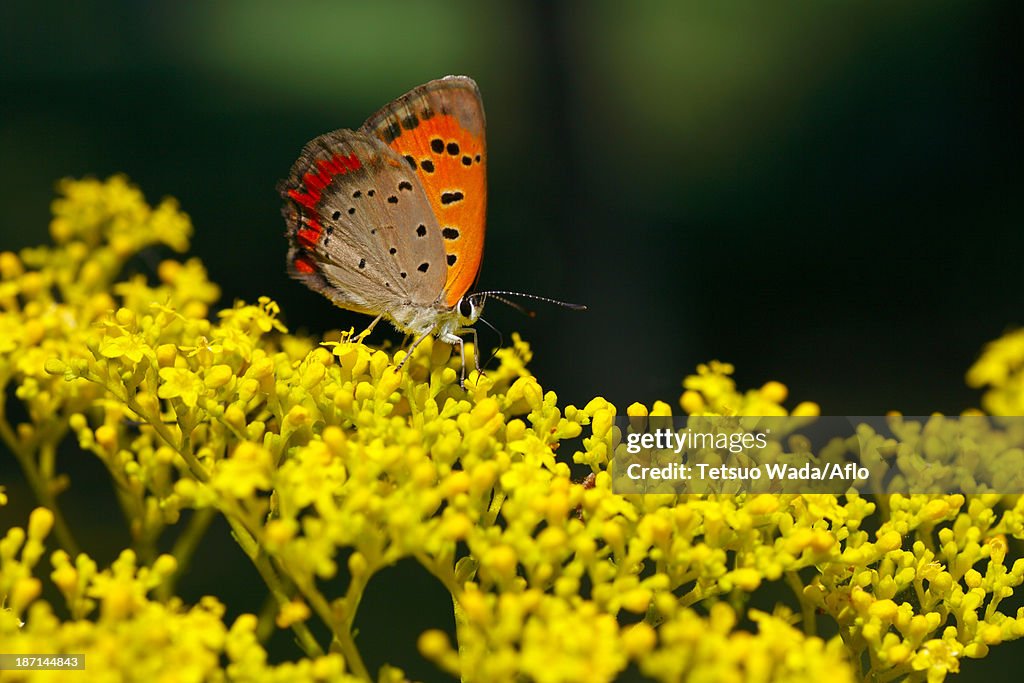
(308, 236)
(307, 200)
(304, 265)
(315, 182)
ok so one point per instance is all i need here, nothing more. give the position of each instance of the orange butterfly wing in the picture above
(439, 129)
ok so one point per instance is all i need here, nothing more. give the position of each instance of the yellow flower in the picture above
(129, 345)
(713, 391)
(244, 473)
(180, 383)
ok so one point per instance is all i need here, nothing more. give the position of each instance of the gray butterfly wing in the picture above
(360, 228)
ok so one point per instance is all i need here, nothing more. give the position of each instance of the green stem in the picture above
(460, 626)
(262, 563)
(271, 573)
(894, 673)
(265, 623)
(494, 508)
(47, 462)
(465, 570)
(343, 631)
(445, 574)
(181, 446)
(39, 484)
(806, 608)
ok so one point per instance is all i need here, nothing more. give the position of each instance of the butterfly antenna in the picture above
(512, 304)
(499, 295)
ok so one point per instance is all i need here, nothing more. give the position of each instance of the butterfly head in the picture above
(470, 307)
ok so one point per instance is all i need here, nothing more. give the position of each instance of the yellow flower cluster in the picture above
(130, 636)
(330, 465)
(1001, 369)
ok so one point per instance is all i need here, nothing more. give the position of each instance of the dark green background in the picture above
(824, 193)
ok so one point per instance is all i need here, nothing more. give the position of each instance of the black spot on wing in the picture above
(427, 165)
(405, 185)
(451, 197)
(421, 230)
(450, 234)
(452, 258)
(437, 145)
(423, 267)
(391, 131)
(453, 149)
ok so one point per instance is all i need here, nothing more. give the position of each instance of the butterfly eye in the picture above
(467, 308)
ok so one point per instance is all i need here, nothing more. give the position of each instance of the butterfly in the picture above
(389, 220)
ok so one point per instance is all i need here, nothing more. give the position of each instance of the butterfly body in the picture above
(389, 220)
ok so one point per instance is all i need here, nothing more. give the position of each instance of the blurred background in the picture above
(826, 194)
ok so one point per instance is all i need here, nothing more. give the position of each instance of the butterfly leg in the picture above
(408, 354)
(456, 340)
(476, 349)
(366, 333)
